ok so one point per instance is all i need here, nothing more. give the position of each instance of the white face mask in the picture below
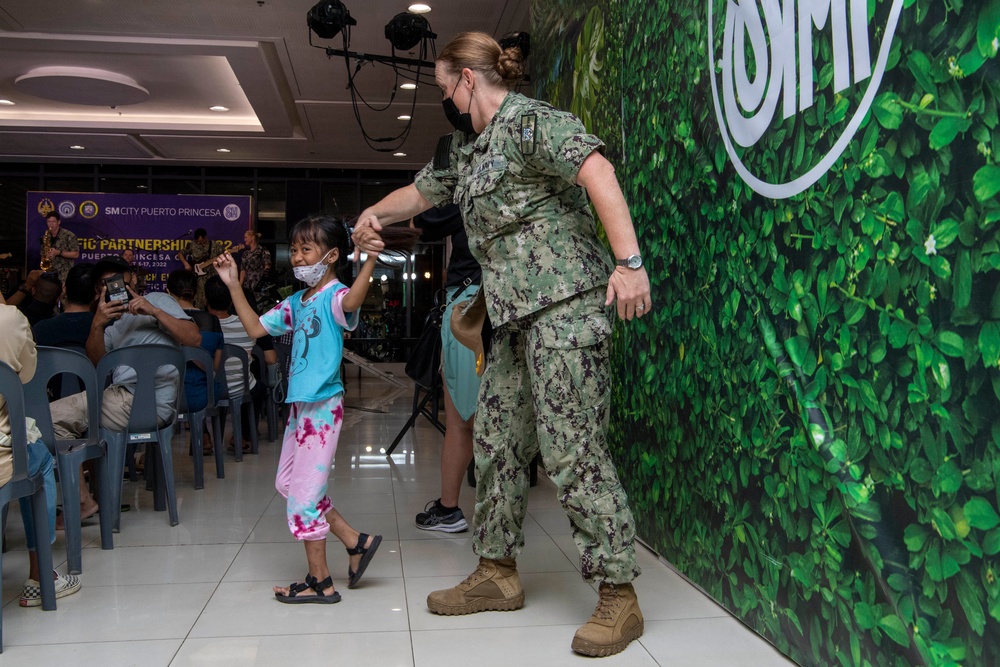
(312, 274)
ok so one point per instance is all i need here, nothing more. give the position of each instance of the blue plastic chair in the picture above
(196, 418)
(236, 404)
(143, 425)
(269, 407)
(70, 454)
(70, 384)
(23, 485)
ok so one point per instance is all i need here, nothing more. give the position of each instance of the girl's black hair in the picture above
(327, 232)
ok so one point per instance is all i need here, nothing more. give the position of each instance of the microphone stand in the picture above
(178, 238)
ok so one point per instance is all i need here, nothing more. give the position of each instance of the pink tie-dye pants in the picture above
(307, 452)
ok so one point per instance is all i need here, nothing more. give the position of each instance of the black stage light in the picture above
(522, 40)
(328, 17)
(406, 30)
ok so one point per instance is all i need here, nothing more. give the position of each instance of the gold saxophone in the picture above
(46, 264)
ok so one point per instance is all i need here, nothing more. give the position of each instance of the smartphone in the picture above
(115, 289)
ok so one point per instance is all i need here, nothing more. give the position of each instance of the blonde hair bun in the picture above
(510, 66)
(481, 53)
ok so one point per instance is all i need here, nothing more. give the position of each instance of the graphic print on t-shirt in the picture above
(310, 327)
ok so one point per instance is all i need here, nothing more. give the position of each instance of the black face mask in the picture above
(460, 121)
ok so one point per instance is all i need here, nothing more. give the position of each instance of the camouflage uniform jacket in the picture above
(529, 224)
(66, 241)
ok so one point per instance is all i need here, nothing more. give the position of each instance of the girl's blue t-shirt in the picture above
(317, 343)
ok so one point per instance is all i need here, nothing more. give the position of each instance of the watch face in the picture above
(634, 262)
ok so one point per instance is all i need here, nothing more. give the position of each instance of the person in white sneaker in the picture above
(17, 350)
(461, 384)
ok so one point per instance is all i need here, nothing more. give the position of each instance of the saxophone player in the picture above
(62, 245)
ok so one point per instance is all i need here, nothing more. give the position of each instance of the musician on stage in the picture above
(197, 252)
(62, 247)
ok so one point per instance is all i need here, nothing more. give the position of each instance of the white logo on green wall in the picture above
(766, 61)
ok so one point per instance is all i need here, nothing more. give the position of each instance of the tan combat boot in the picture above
(617, 620)
(494, 586)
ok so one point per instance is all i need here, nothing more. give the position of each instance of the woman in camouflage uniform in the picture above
(255, 262)
(521, 172)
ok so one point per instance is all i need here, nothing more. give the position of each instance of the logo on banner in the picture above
(231, 212)
(45, 206)
(88, 209)
(67, 209)
(766, 63)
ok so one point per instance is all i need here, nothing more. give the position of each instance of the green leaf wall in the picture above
(808, 423)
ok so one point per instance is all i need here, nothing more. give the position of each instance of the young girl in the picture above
(317, 316)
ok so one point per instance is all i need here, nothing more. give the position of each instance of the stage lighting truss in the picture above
(405, 31)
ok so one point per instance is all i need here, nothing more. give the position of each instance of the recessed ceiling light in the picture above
(7, 103)
(78, 147)
(399, 154)
(419, 8)
(222, 150)
(403, 117)
(409, 86)
(218, 108)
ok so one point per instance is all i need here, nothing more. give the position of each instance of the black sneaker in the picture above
(435, 517)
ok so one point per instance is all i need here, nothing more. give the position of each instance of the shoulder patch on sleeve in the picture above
(528, 123)
(442, 154)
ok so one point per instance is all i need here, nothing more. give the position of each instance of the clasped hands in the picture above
(366, 236)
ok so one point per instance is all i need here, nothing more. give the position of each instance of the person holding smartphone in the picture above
(119, 322)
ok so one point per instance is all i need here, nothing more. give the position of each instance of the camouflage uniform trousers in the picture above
(546, 389)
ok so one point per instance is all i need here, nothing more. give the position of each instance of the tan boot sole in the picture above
(603, 650)
(477, 605)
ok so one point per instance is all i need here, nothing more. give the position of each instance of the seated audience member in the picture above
(139, 274)
(23, 291)
(38, 296)
(182, 285)
(17, 350)
(152, 319)
(219, 301)
(72, 326)
(71, 329)
(269, 374)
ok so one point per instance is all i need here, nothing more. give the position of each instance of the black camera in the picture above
(115, 289)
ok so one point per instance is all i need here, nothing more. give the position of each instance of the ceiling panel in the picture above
(289, 103)
(57, 145)
(338, 144)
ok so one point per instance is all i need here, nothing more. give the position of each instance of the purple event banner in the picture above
(155, 227)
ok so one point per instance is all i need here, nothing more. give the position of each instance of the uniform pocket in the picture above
(572, 363)
(489, 200)
(567, 334)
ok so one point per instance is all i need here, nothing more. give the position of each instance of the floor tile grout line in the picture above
(402, 569)
(219, 583)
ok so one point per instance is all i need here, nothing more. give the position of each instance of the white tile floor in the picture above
(200, 593)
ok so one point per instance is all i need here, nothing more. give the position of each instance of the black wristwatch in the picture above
(22, 288)
(632, 262)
